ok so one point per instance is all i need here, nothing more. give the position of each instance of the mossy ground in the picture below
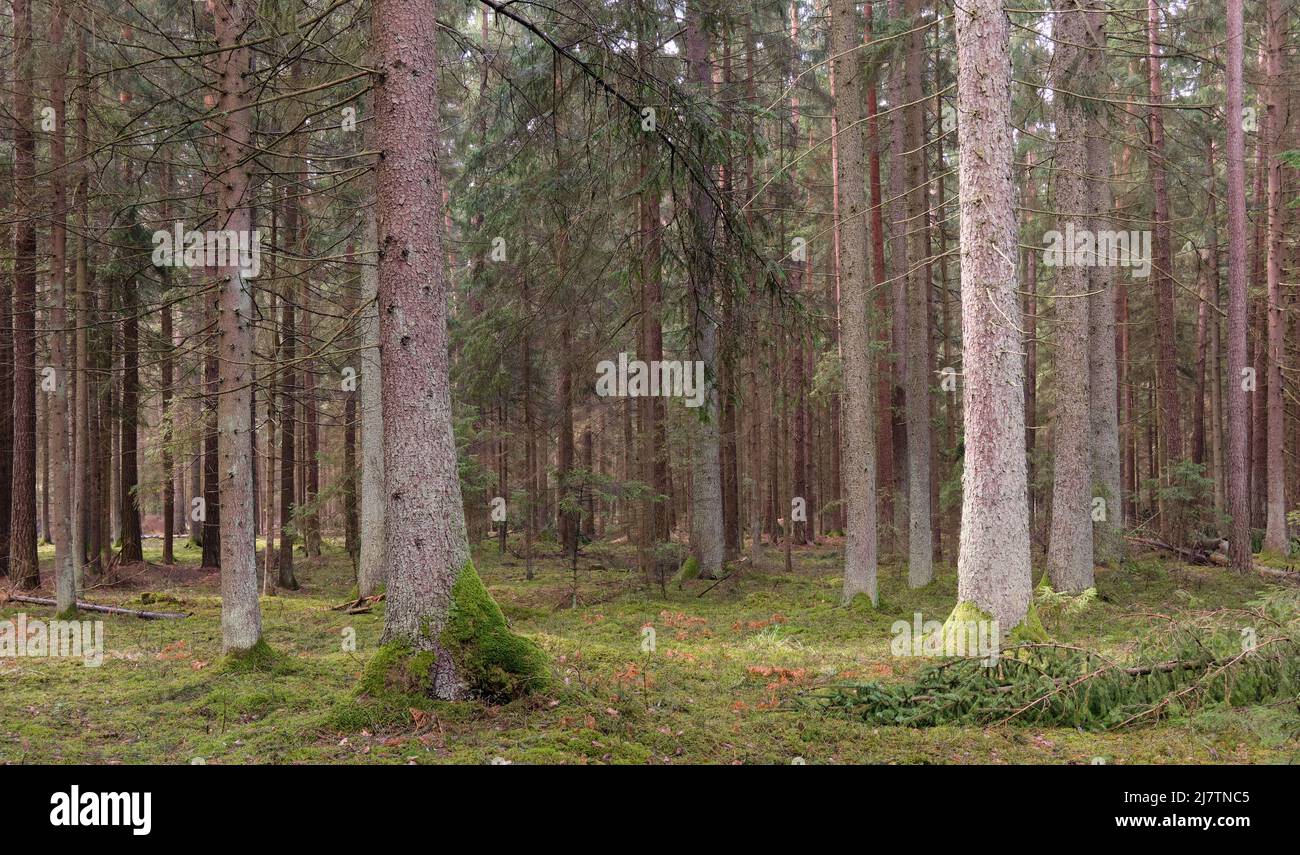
(712, 689)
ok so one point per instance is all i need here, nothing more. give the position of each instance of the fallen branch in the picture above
(92, 607)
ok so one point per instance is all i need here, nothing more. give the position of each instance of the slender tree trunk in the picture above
(916, 382)
(1237, 432)
(707, 540)
(1162, 266)
(1103, 375)
(859, 389)
(23, 566)
(373, 565)
(241, 619)
(128, 482)
(1276, 538)
(1069, 550)
(58, 478)
(82, 476)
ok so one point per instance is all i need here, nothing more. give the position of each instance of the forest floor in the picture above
(717, 688)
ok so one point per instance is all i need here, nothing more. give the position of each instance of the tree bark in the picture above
(1237, 432)
(859, 390)
(993, 570)
(241, 619)
(23, 567)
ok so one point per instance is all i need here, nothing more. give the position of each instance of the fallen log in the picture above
(93, 607)
(1204, 554)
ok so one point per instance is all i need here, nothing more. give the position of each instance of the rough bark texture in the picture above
(23, 567)
(1103, 372)
(241, 619)
(859, 467)
(993, 571)
(1069, 550)
(424, 521)
(371, 568)
(1238, 430)
(707, 538)
(1276, 539)
(1161, 264)
(59, 468)
(916, 383)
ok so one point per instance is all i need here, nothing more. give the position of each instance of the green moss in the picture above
(70, 613)
(689, 570)
(494, 661)
(395, 667)
(260, 657)
(1030, 630)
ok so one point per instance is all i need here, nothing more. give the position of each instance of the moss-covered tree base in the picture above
(487, 658)
(260, 657)
(966, 614)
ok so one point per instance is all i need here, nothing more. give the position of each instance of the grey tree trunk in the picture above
(858, 397)
(916, 365)
(707, 533)
(59, 468)
(371, 568)
(1069, 549)
(1238, 430)
(993, 570)
(241, 618)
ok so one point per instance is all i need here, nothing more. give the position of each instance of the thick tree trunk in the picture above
(993, 570)
(859, 391)
(426, 542)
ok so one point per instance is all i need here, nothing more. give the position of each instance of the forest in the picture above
(649, 382)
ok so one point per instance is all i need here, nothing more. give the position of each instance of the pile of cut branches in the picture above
(1230, 656)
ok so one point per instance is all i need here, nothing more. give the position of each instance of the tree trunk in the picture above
(23, 567)
(1103, 376)
(1237, 432)
(58, 479)
(859, 389)
(373, 566)
(1276, 538)
(241, 619)
(993, 570)
(1069, 550)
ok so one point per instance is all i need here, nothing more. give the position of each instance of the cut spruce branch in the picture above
(95, 607)
(1055, 685)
